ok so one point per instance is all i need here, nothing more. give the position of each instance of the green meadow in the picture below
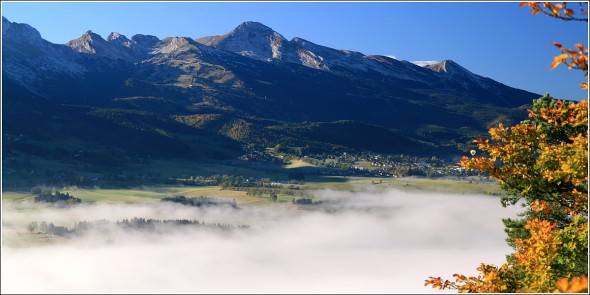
(18, 201)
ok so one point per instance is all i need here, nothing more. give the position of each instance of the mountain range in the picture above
(249, 89)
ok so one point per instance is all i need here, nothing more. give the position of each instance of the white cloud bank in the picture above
(371, 242)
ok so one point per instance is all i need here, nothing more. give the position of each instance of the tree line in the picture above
(200, 201)
(55, 197)
(133, 224)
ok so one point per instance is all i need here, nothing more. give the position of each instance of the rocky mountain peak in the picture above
(5, 25)
(145, 40)
(92, 36)
(451, 70)
(89, 42)
(254, 40)
(22, 33)
(120, 40)
(424, 63)
(252, 26)
(253, 32)
(116, 46)
(171, 45)
(447, 66)
(116, 36)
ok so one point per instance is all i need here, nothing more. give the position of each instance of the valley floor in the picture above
(236, 221)
(356, 234)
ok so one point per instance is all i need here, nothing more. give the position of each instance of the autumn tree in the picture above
(543, 163)
(574, 58)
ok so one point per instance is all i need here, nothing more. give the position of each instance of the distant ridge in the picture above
(250, 88)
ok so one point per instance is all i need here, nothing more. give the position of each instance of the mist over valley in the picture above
(371, 242)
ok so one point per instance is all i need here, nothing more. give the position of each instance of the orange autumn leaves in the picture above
(574, 58)
(542, 156)
(488, 281)
(577, 59)
(547, 253)
(575, 285)
(537, 159)
(551, 252)
(543, 161)
(557, 10)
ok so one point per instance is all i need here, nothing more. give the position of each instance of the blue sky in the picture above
(499, 40)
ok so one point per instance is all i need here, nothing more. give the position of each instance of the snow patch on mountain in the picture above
(423, 63)
(276, 42)
(309, 59)
(451, 70)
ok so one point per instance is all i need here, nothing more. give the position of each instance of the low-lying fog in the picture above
(371, 242)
